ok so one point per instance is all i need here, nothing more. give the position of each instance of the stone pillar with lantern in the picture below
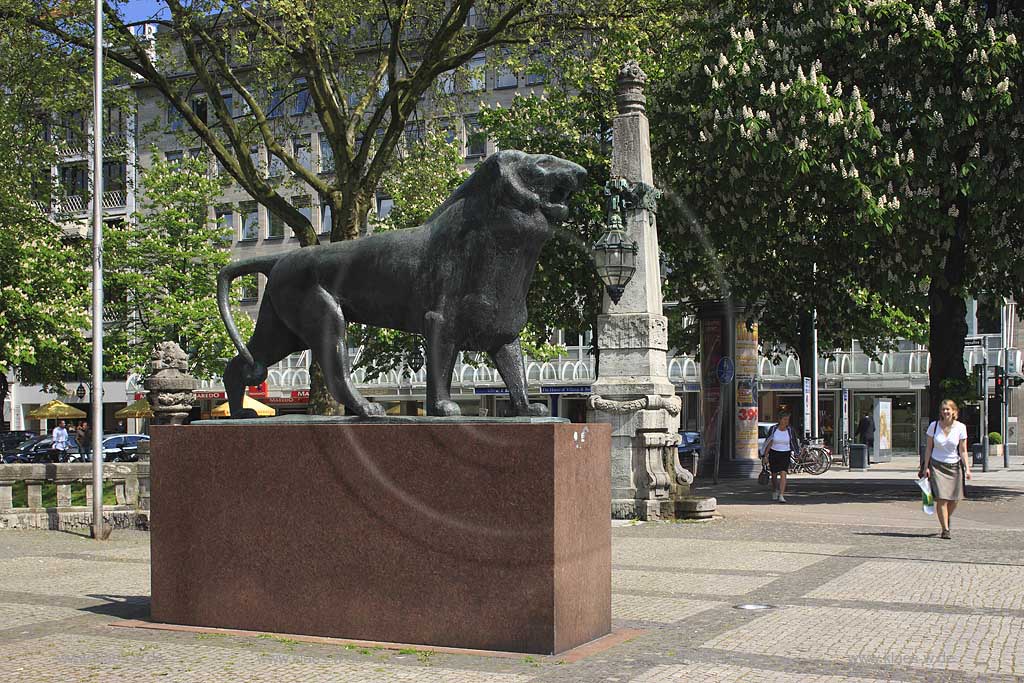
(170, 387)
(632, 391)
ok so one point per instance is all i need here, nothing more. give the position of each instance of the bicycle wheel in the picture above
(815, 461)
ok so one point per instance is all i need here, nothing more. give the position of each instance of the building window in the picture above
(302, 205)
(199, 107)
(301, 102)
(384, 207)
(174, 157)
(325, 219)
(174, 120)
(326, 155)
(229, 102)
(446, 83)
(476, 138)
(537, 70)
(276, 107)
(414, 133)
(275, 227)
(114, 176)
(254, 157)
(301, 150)
(250, 288)
(989, 315)
(275, 166)
(74, 179)
(240, 108)
(225, 216)
(505, 76)
(477, 73)
(250, 212)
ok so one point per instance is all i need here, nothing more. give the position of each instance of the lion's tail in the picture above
(258, 264)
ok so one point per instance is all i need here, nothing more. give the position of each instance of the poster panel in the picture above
(746, 391)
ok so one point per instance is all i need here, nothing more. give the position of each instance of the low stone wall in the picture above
(131, 485)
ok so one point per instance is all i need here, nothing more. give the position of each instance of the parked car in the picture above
(762, 434)
(122, 447)
(40, 449)
(689, 442)
(10, 439)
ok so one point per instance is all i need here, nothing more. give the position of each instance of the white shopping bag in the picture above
(927, 500)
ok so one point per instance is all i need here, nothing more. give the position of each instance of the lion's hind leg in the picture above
(324, 330)
(271, 342)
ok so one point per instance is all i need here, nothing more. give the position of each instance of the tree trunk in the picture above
(947, 314)
(805, 344)
(320, 400)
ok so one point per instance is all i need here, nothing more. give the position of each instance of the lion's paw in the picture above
(448, 409)
(244, 413)
(537, 410)
(373, 410)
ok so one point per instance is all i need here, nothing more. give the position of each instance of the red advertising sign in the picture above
(301, 393)
(259, 391)
(208, 395)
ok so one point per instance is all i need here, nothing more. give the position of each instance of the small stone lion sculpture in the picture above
(460, 280)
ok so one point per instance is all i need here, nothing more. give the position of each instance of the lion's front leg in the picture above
(509, 361)
(441, 354)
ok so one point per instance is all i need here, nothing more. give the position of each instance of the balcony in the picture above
(79, 204)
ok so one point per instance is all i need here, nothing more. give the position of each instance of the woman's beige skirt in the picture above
(947, 480)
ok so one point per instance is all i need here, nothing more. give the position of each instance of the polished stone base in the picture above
(485, 536)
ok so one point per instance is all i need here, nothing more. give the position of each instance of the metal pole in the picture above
(814, 367)
(983, 417)
(99, 531)
(1004, 403)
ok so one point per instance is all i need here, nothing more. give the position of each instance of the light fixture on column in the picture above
(80, 391)
(614, 253)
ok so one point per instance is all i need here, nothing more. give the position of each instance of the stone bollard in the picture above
(169, 385)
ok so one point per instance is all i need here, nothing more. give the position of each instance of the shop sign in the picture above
(258, 391)
(301, 393)
(565, 390)
(494, 390)
(208, 395)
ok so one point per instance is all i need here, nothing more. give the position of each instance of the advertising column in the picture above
(710, 391)
(883, 433)
(746, 393)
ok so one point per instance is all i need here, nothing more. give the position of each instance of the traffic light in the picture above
(1000, 381)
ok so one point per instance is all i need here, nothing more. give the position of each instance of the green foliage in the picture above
(162, 273)
(995, 438)
(44, 288)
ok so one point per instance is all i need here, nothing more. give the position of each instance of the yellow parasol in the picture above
(247, 402)
(396, 409)
(56, 410)
(139, 409)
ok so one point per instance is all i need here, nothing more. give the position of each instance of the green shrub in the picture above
(995, 438)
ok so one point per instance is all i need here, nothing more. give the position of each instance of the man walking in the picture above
(84, 436)
(866, 433)
(59, 442)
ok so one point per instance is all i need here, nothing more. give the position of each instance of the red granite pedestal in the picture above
(482, 535)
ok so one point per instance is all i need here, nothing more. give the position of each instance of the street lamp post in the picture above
(632, 392)
(99, 531)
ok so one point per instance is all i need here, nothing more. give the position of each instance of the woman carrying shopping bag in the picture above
(946, 463)
(779, 445)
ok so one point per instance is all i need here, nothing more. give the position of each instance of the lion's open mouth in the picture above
(567, 181)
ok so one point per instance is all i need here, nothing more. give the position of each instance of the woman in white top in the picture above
(780, 443)
(946, 462)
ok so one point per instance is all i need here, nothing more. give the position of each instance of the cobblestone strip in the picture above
(725, 673)
(18, 616)
(680, 583)
(680, 553)
(934, 585)
(84, 658)
(970, 643)
(78, 578)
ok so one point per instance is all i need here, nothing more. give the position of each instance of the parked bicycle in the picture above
(814, 458)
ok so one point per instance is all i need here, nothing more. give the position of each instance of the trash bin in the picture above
(977, 454)
(858, 456)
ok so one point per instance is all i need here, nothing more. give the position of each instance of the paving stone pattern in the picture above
(850, 604)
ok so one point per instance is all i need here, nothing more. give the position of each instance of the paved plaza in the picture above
(860, 589)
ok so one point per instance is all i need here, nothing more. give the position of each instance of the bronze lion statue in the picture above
(460, 280)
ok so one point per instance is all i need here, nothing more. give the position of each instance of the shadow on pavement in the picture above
(832, 492)
(120, 606)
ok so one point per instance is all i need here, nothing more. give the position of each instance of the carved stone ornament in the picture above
(170, 387)
(671, 404)
(629, 93)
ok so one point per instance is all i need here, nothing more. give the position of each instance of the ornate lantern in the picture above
(615, 254)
